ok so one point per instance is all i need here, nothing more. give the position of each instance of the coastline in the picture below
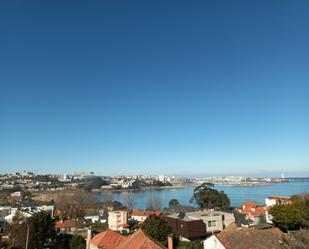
(142, 189)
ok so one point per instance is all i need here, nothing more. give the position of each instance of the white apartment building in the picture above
(117, 220)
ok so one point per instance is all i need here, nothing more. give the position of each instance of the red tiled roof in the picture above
(144, 213)
(66, 224)
(112, 240)
(249, 204)
(107, 240)
(17, 198)
(250, 208)
(139, 240)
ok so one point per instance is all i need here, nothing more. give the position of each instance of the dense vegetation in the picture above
(205, 196)
(94, 183)
(156, 228)
(40, 227)
(42, 234)
(293, 216)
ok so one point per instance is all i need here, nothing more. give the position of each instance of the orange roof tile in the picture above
(107, 240)
(254, 211)
(66, 224)
(249, 204)
(112, 240)
(139, 240)
(144, 213)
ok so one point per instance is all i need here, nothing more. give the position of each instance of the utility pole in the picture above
(27, 238)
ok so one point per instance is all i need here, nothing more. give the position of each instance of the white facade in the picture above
(214, 220)
(116, 220)
(276, 200)
(213, 243)
(139, 218)
(270, 202)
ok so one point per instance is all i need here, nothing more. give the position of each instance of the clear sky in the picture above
(162, 87)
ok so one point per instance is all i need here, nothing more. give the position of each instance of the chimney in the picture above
(170, 241)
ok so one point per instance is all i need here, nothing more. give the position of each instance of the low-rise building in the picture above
(141, 215)
(214, 220)
(69, 227)
(117, 220)
(187, 229)
(244, 238)
(112, 240)
(251, 211)
(277, 200)
(95, 217)
(16, 197)
(196, 225)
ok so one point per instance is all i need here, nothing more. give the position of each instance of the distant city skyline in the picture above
(290, 174)
(186, 88)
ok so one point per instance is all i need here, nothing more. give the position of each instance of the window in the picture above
(212, 223)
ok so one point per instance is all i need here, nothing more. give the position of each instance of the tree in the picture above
(129, 201)
(173, 203)
(77, 242)
(71, 205)
(17, 230)
(156, 228)
(302, 202)
(41, 231)
(205, 196)
(190, 245)
(287, 217)
(95, 183)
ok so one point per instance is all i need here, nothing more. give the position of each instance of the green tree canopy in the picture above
(287, 217)
(173, 203)
(77, 242)
(190, 245)
(95, 183)
(302, 203)
(205, 196)
(156, 228)
(41, 231)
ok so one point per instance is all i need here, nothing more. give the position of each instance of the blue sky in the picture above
(155, 87)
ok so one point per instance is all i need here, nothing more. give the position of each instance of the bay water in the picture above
(237, 195)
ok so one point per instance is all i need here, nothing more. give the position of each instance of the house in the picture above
(252, 212)
(196, 225)
(140, 215)
(118, 220)
(10, 218)
(273, 201)
(95, 217)
(16, 197)
(244, 238)
(277, 200)
(214, 220)
(243, 220)
(113, 240)
(26, 212)
(186, 228)
(68, 226)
